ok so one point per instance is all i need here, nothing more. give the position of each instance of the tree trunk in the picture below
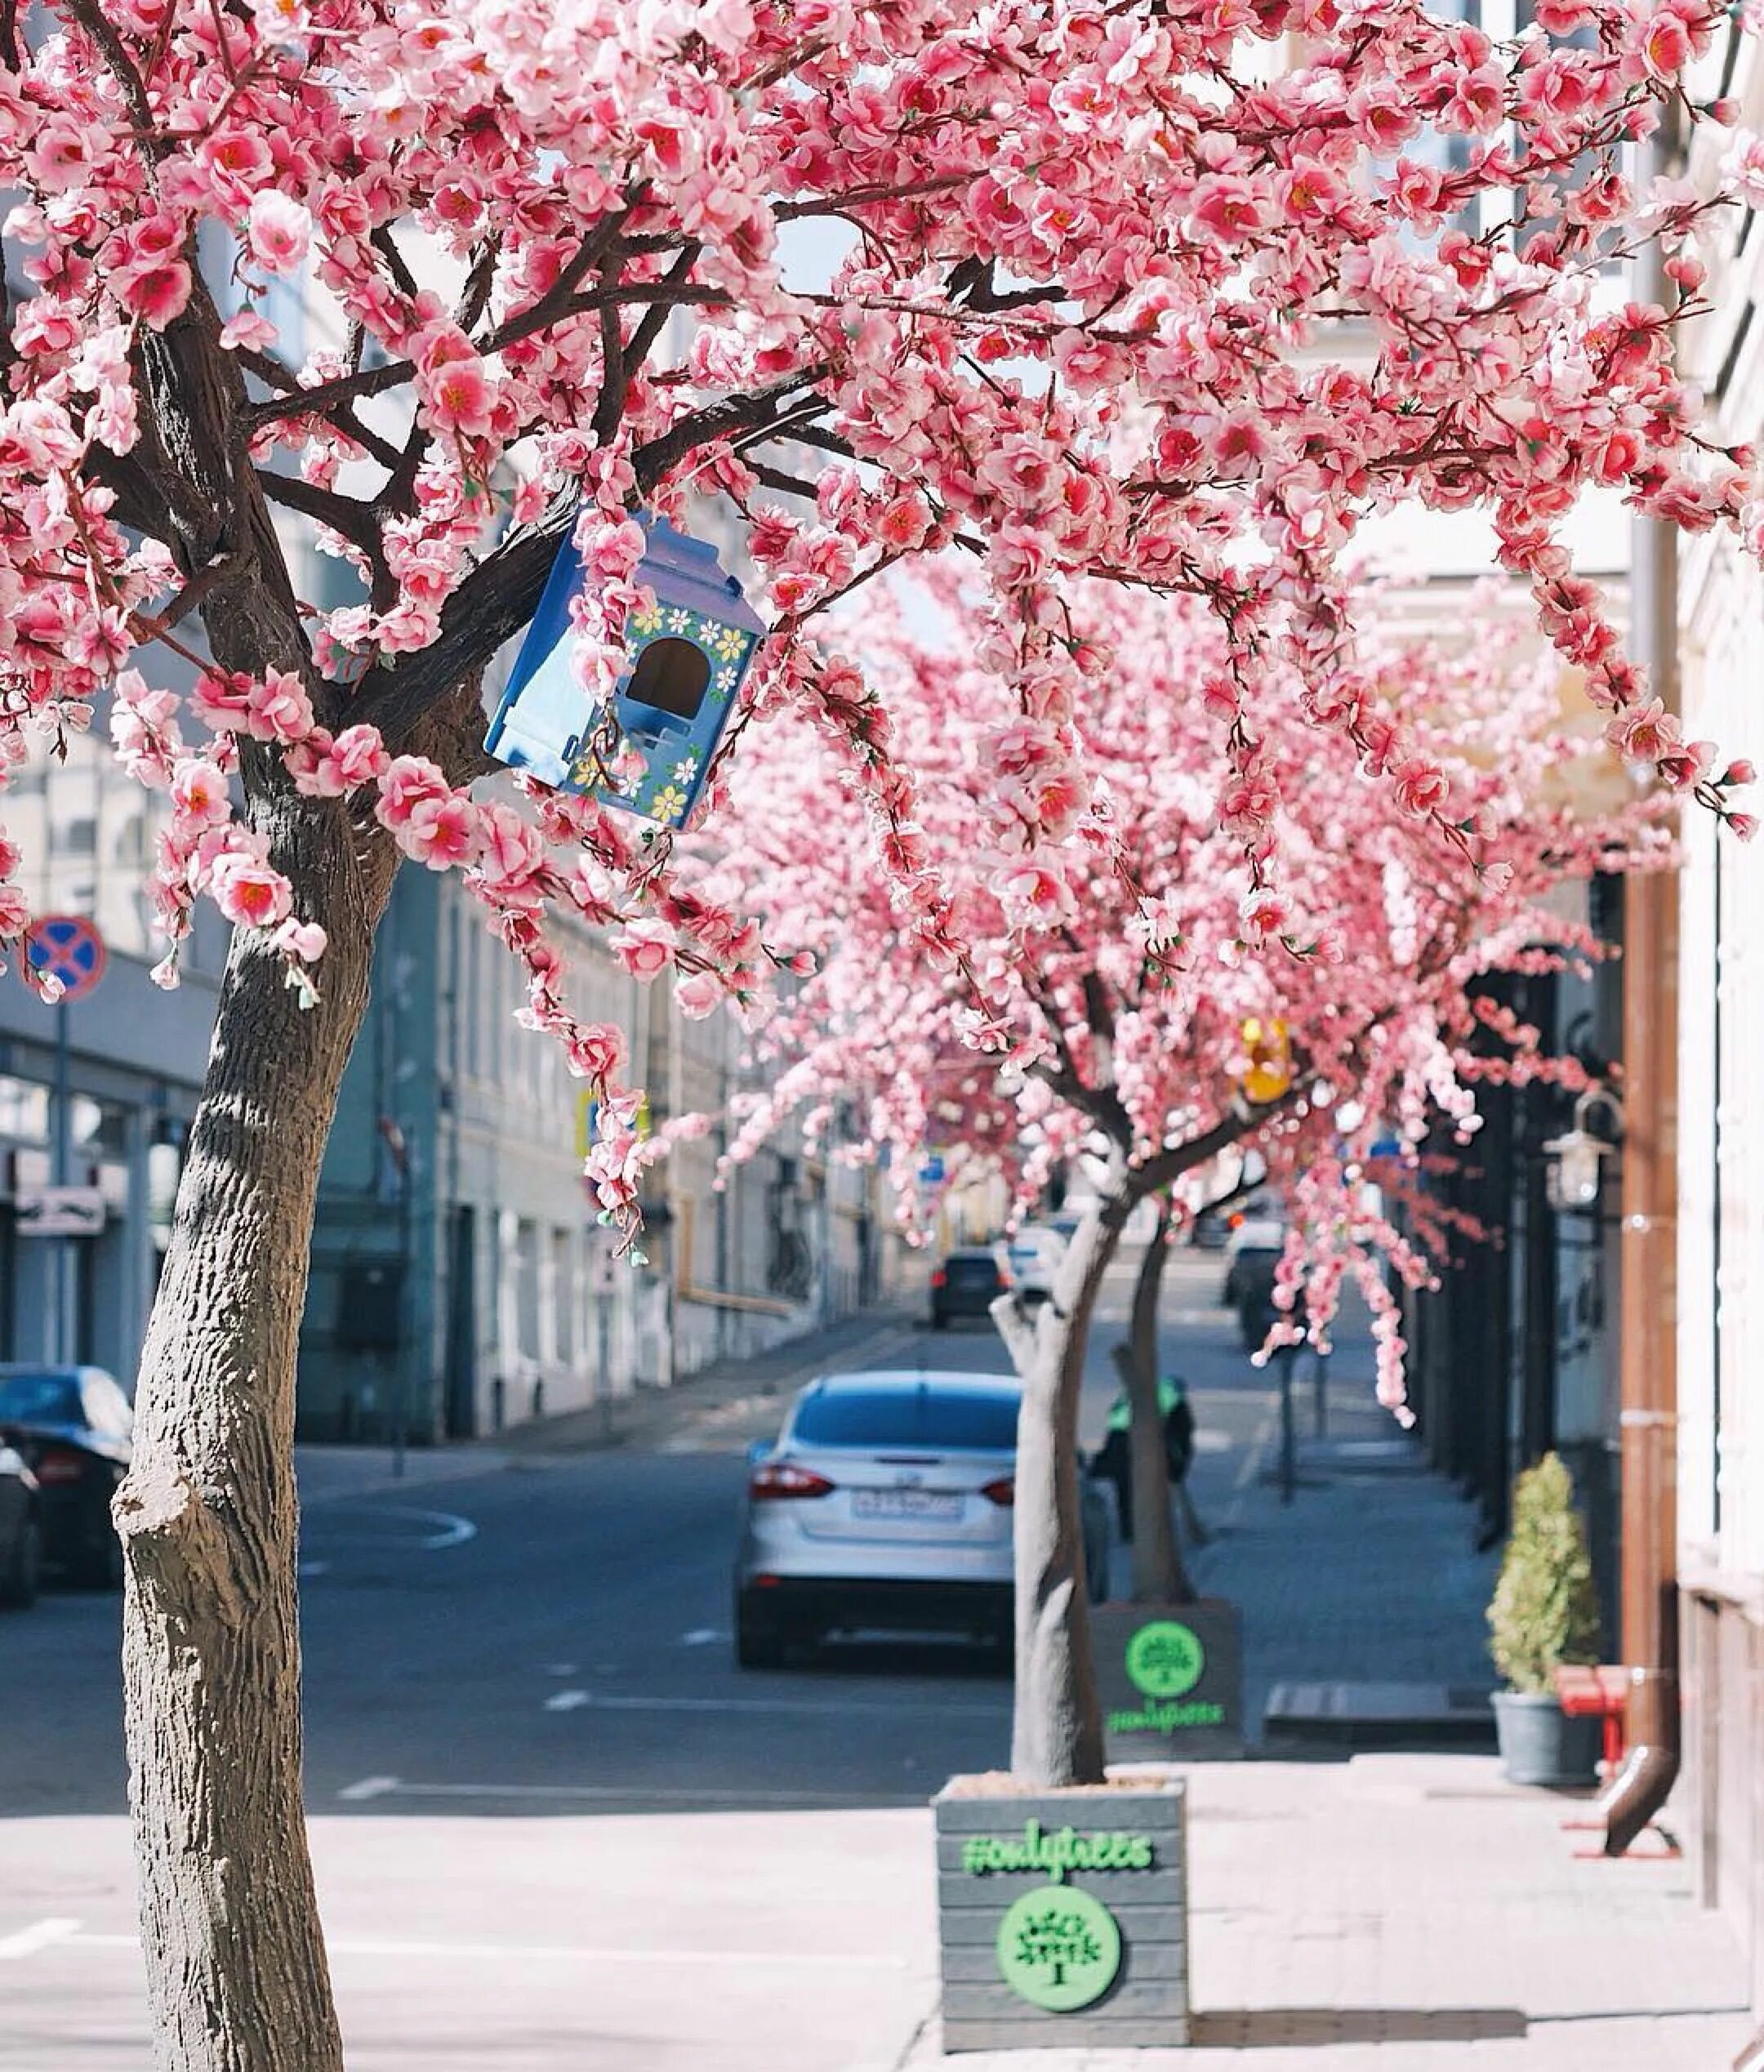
(1057, 1721)
(235, 1959)
(1159, 1575)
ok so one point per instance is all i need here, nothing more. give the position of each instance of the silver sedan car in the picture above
(885, 1503)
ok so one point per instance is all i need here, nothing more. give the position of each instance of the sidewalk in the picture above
(1369, 1578)
(1399, 1912)
(718, 1406)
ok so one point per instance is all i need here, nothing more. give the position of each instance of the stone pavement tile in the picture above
(1370, 1575)
(1407, 1913)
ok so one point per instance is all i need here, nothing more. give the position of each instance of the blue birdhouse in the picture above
(689, 653)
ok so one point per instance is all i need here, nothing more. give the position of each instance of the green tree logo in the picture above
(1058, 1948)
(1164, 1658)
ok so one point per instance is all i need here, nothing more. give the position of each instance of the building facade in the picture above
(461, 1281)
(127, 1059)
(1719, 614)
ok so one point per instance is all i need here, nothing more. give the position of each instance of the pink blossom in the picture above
(441, 832)
(200, 792)
(645, 948)
(459, 397)
(699, 995)
(1421, 786)
(278, 231)
(250, 894)
(303, 941)
(596, 1052)
(159, 293)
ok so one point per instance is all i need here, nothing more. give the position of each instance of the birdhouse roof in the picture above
(681, 570)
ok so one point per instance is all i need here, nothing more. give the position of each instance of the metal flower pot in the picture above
(1540, 1744)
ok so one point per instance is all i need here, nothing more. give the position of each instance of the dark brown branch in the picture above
(353, 521)
(493, 604)
(863, 197)
(380, 238)
(501, 595)
(720, 421)
(787, 485)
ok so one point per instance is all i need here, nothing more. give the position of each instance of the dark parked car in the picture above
(966, 1283)
(73, 1425)
(21, 1534)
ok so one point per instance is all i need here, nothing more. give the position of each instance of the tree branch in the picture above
(493, 604)
(353, 521)
(718, 421)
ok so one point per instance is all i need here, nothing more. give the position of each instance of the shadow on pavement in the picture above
(1312, 2027)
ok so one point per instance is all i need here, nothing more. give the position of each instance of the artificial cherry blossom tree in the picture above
(1175, 293)
(1105, 995)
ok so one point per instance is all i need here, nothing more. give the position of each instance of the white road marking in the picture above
(313, 1568)
(369, 1788)
(567, 1953)
(447, 1529)
(704, 1636)
(565, 1701)
(40, 1934)
(671, 1794)
(560, 1669)
(453, 1531)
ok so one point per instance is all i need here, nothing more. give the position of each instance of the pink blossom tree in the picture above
(1102, 1002)
(1115, 301)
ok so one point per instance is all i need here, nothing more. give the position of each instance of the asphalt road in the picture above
(547, 1647)
(555, 1634)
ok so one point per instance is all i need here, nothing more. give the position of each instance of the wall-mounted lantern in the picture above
(689, 653)
(1574, 1177)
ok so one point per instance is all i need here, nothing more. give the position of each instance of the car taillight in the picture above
(939, 1278)
(779, 1478)
(57, 1464)
(1002, 1492)
(1003, 1276)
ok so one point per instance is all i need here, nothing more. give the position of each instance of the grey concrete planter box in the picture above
(1063, 1916)
(1170, 1677)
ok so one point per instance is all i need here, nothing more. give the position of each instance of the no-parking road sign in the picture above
(67, 947)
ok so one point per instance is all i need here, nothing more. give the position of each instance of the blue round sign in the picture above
(68, 947)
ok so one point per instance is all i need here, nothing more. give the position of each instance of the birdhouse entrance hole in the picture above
(671, 676)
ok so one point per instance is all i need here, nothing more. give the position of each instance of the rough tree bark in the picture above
(236, 1968)
(1057, 1721)
(1159, 1575)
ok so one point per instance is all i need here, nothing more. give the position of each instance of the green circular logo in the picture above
(1058, 1948)
(1165, 1659)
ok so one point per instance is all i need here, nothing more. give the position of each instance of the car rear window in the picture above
(942, 1419)
(978, 1272)
(41, 1399)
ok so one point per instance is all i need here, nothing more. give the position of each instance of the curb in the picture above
(465, 1458)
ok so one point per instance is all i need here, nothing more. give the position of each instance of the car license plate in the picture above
(903, 1503)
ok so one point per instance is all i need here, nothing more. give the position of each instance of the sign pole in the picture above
(61, 1258)
(1287, 1357)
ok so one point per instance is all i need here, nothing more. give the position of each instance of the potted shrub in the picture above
(1543, 1613)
